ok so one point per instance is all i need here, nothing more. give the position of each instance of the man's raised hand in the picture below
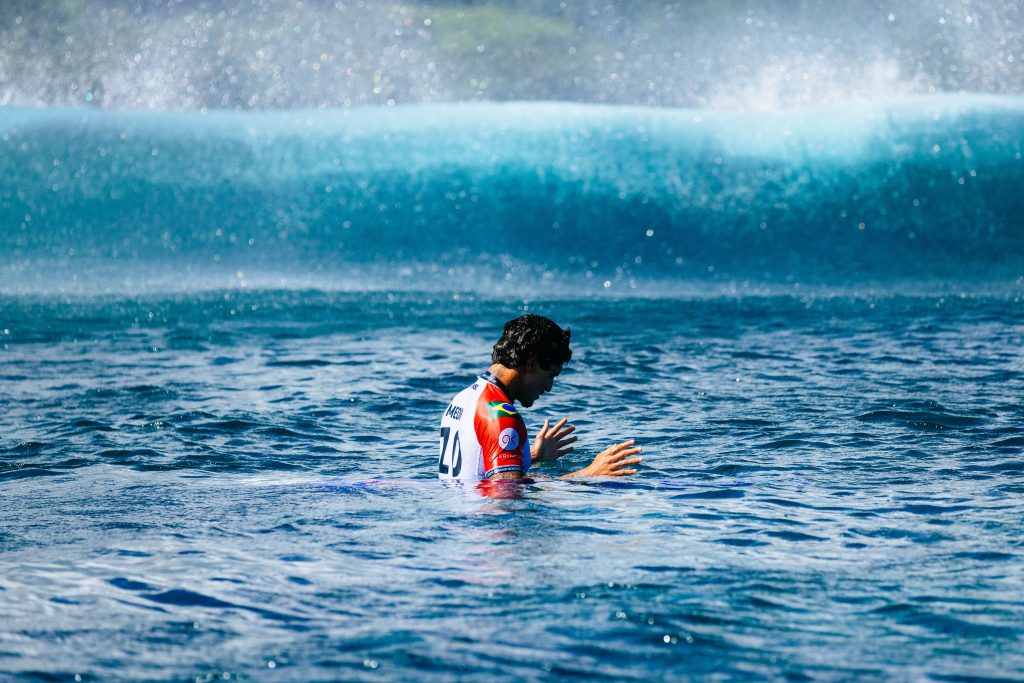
(552, 443)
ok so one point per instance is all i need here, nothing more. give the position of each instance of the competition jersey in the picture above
(482, 434)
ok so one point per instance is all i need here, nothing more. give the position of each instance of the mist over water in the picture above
(191, 54)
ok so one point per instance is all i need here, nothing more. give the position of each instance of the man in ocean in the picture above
(483, 436)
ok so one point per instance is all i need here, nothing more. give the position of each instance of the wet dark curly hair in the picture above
(532, 336)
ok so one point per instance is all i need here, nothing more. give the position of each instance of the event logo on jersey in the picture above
(501, 409)
(508, 439)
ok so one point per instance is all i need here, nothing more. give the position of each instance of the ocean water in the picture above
(221, 384)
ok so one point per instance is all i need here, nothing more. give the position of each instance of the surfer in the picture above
(483, 436)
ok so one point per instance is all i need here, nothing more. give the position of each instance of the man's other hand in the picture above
(552, 443)
(615, 461)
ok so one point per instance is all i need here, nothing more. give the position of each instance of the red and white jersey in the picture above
(482, 434)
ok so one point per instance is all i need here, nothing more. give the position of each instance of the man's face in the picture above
(537, 381)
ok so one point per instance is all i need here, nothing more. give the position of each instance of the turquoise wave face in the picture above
(492, 193)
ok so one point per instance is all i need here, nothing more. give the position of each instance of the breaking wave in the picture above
(413, 196)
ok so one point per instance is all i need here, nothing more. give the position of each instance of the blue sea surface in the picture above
(218, 457)
(218, 484)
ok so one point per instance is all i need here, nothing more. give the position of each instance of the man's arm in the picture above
(615, 461)
(501, 433)
(502, 476)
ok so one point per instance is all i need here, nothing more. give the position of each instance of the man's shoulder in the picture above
(493, 403)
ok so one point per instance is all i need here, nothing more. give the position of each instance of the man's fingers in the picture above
(563, 451)
(565, 432)
(565, 442)
(543, 431)
(612, 450)
(618, 457)
(619, 468)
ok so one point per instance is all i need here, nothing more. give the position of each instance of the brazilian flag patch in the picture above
(501, 409)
